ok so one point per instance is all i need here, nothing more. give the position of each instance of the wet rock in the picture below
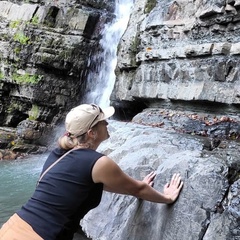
(28, 148)
(6, 154)
(32, 137)
(30, 130)
(7, 136)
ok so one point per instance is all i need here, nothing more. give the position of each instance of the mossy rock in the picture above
(7, 138)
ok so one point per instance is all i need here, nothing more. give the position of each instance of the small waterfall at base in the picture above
(101, 81)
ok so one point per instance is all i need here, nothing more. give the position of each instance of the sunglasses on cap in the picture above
(95, 107)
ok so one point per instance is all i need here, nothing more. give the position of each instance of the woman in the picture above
(73, 178)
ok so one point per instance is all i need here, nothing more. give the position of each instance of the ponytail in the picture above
(69, 142)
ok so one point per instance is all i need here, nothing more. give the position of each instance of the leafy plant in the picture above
(33, 113)
(21, 38)
(13, 106)
(35, 20)
(15, 24)
(149, 6)
(1, 75)
(17, 50)
(26, 78)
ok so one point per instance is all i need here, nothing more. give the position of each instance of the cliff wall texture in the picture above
(46, 50)
(180, 51)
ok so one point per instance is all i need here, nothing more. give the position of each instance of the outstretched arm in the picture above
(115, 180)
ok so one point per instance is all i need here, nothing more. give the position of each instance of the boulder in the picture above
(208, 206)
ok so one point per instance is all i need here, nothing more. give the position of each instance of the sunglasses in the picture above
(95, 107)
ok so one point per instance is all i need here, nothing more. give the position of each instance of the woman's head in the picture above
(83, 123)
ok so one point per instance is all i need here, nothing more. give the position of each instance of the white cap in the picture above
(83, 117)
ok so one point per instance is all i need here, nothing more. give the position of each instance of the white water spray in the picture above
(100, 84)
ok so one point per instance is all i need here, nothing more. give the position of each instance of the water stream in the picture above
(18, 178)
(101, 80)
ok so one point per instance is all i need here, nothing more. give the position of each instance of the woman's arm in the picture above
(115, 180)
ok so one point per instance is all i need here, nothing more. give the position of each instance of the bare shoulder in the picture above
(104, 167)
(104, 160)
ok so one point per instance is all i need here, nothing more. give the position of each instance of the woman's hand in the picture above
(149, 178)
(172, 189)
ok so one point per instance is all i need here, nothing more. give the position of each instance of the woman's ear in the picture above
(92, 133)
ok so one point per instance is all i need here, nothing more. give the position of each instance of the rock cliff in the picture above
(183, 52)
(46, 50)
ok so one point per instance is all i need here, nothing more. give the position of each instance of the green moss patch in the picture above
(149, 6)
(26, 78)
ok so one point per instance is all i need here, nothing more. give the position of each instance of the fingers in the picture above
(181, 185)
(176, 180)
(149, 178)
(151, 175)
(166, 185)
(151, 183)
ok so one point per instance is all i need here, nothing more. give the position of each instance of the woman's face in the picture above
(102, 132)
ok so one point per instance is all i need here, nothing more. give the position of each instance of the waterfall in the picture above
(101, 81)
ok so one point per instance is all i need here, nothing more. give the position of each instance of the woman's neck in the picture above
(86, 146)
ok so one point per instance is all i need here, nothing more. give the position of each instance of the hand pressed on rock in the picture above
(172, 189)
(149, 178)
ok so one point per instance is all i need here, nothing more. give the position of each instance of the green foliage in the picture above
(26, 78)
(33, 113)
(149, 6)
(135, 44)
(134, 49)
(17, 50)
(13, 106)
(15, 24)
(35, 20)
(21, 38)
(1, 75)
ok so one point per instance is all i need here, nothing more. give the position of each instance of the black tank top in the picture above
(64, 195)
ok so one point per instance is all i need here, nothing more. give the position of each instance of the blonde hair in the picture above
(69, 141)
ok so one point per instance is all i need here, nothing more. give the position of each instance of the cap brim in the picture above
(107, 112)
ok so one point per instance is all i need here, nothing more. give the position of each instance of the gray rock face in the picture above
(180, 51)
(208, 207)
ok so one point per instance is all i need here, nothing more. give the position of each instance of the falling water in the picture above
(100, 87)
